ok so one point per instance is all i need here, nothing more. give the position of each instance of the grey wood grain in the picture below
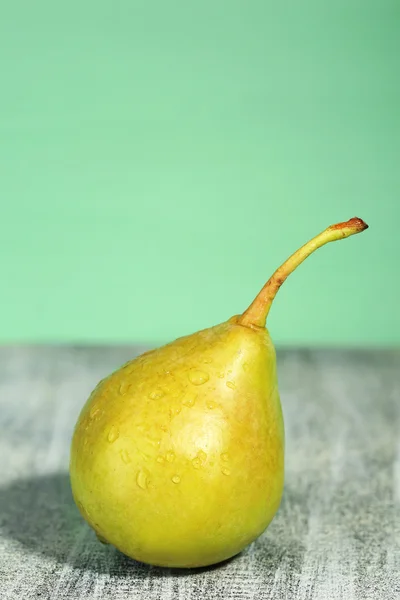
(336, 535)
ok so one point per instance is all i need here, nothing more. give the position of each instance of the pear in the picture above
(177, 458)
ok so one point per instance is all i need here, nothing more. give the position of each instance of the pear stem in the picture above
(257, 312)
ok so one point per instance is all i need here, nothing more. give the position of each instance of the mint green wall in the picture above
(160, 158)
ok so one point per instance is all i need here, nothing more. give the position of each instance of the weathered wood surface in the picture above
(336, 535)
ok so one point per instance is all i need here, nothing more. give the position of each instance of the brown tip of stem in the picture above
(355, 223)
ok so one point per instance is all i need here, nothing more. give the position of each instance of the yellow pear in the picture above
(177, 458)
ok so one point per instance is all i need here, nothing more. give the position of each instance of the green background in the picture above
(160, 158)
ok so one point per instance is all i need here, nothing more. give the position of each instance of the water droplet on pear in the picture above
(197, 377)
(141, 479)
(190, 400)
(125, 456)
(156, 394)
(170, 456)
(94, 411)
(113, 434)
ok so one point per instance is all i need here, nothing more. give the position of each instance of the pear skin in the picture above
(177, 458)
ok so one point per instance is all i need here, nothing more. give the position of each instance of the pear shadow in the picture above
(39, 514)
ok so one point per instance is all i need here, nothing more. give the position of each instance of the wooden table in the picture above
(336, 534)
